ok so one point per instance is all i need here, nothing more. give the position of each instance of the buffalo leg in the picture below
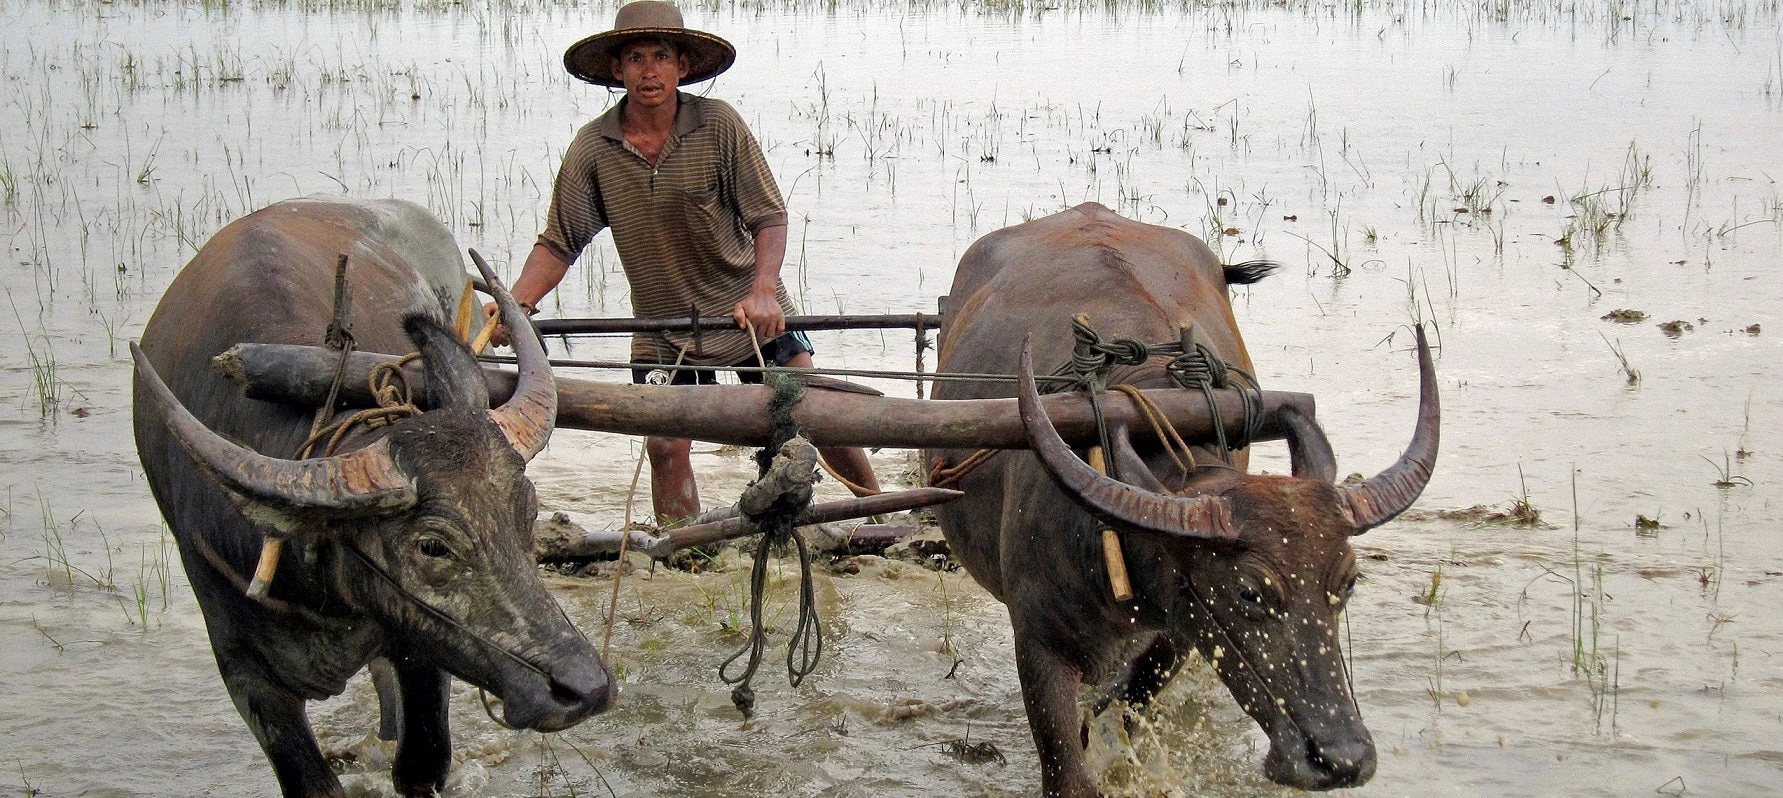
(424, 752)
(278, 721)
(1143, 678)
(1049, 689)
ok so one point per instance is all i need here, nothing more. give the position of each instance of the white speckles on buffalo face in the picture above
(1265, 611)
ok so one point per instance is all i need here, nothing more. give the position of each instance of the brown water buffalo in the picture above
(1250, 570)
(414, 543)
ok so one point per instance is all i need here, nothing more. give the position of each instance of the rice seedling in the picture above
(1724, 475)
(548, 772)
(1601, 676)
(823, 138)
(1693, 172)
(1522, 512)
(9, 184)
(1434, 682)
(1607, 690)
(1433, 593)
(41, 356)
(1633, 374)
(949, 622)
(55, 552)
(1339, 237)
(1152, 126)
(163, 569)
(106, 582)
(1417, 310)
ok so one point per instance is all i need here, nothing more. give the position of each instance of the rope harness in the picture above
(1192, 365)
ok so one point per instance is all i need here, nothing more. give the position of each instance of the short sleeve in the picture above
(755, 193)
(575, 216)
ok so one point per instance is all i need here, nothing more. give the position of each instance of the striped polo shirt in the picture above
(683, 228)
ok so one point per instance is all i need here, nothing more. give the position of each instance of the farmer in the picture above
(696, 217)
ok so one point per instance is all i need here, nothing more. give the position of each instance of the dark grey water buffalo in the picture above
(413, 544)
(1251, 570)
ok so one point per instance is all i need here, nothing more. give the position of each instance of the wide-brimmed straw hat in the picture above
(592, 58)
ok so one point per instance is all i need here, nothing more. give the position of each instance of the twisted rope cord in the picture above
(1174, 445)
(805, 647)
(396, 401)
(1194, 366)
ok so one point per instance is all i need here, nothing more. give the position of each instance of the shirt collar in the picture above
(687, 117)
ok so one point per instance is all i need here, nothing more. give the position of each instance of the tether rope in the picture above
(389, 388)
(631, 495)
(777, 524)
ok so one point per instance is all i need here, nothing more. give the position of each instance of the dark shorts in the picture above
(780, 350)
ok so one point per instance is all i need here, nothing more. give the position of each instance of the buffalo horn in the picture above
(529, 415)
(1388, 493)
(1115, 502)
(360, 481)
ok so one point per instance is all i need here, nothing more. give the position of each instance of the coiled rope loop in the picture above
(777, 524)
(1192, 365)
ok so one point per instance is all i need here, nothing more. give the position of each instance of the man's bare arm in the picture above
(761, 309)
(542, 272)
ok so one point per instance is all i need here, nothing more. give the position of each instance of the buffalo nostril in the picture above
(1342, 764)
(582, 686)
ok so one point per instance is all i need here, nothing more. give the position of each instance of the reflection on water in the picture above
(1515, 172)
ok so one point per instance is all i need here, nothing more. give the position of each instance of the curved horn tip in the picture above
(1391, 492)
(530, 414)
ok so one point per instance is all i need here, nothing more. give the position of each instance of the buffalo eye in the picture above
(434, 547)
(1251, 600)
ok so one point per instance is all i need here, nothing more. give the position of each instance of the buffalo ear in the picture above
(454, 380)
(1129, 467)
(1309, 451)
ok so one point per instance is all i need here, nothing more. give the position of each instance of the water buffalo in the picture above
(412, 544)
(1250, 570)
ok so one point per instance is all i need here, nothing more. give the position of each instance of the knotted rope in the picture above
(1192, 365)
(778, 529)
(395, 402)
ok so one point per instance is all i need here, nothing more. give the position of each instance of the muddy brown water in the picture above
(1398, 158)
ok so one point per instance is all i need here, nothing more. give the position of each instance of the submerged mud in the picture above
(1582, 199)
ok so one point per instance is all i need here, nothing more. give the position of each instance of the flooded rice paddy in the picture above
(1582, 197)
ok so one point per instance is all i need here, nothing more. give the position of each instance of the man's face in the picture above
(650, 70)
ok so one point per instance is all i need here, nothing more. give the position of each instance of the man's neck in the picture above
(659, 119)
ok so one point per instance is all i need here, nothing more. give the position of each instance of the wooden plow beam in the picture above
(737, 414)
